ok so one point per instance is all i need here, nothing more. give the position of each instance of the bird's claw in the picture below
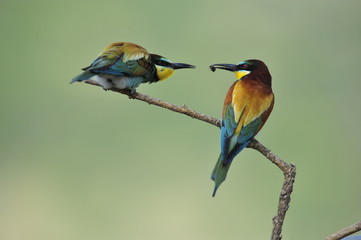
(132, 93)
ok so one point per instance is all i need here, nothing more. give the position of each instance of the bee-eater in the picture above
(248, 104)
(125, 65)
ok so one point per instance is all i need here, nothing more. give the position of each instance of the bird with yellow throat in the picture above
(247, 106)
(125, 65)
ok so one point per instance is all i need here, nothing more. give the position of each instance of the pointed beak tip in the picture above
(182, 65)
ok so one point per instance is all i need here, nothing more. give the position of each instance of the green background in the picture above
(78, 162)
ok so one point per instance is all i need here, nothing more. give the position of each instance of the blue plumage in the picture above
(83, 76)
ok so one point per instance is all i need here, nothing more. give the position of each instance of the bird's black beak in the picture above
(229, 67)
(181, 65)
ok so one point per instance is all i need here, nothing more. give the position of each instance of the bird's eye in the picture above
(245, 66)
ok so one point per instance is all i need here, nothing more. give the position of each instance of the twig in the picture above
(289, 170)
(344, 232)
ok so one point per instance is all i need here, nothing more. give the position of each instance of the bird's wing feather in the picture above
(122, 60)
(244, 113)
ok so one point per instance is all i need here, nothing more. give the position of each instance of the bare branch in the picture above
(154, 101)
(289, 170)
(344, 232)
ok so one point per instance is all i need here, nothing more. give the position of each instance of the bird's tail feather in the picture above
(82, 77)
(219, 174)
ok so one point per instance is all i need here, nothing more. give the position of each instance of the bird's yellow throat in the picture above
(164, 72)
(240, 74)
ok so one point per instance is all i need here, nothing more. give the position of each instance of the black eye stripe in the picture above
(162, 63)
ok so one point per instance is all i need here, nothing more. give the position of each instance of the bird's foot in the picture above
(132, 93)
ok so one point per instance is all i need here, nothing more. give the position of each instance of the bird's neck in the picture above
(261, 77)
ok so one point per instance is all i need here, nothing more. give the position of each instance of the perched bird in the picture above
(125, 65)
(248, 104)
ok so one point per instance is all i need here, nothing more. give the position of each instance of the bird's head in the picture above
(253, 68)
(165, 68)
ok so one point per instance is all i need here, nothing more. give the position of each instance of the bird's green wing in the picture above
(122, 60)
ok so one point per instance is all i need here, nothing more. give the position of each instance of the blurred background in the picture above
(77, 162)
